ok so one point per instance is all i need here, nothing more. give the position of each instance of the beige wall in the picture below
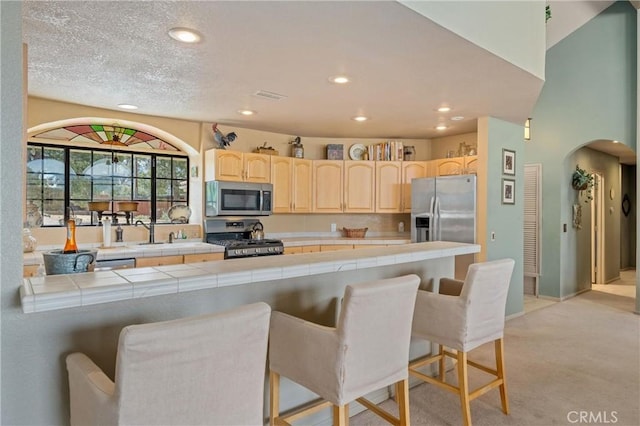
(314, 148)
(440, 146)
(199, 136)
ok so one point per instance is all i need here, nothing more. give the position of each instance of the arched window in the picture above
(70, 166)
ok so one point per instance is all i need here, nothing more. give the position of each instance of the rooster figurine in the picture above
(222, 140)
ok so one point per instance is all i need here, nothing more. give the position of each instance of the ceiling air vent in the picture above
(269, 95)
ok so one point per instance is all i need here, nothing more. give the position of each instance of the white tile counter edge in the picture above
(135, 250)
(40, 294)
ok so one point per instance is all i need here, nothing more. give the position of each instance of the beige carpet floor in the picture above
(580, 357)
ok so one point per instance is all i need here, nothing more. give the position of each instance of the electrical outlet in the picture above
(333, 227)
(493, 236)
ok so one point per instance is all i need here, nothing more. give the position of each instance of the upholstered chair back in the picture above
(374, 332)
(207, 370)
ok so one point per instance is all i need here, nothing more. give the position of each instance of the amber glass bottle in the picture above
(70, 245)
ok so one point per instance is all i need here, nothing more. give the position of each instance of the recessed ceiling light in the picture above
(441, 127)
(615, 141)
(457, 118)
(360, 118)
(127, 106)
(246, 112)
(339, 79)
(185, 35)
(444, 109)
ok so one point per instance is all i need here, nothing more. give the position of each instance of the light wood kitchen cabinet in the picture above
(328, 184)
(388, 187)
(234, 166)
(362, 246)
(302, 186)
(159, 261)
(471, 164)
(292, 180)
(449, 166)
(359, 186)
(281, 178)
(202, 257)
(336, 247)
(302, 249)
(30, 270)
(411, 170)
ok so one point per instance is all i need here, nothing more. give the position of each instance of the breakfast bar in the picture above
(85, 312)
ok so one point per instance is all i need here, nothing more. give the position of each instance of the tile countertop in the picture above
(40, 294)
(134, 250)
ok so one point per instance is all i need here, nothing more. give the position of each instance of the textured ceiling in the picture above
(404, 66)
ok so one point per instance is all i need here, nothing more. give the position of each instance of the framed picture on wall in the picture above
(508, 191)
(508, 162)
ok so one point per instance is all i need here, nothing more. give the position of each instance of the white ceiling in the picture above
(403, 65)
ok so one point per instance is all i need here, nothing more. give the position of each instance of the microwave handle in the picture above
(261, 201)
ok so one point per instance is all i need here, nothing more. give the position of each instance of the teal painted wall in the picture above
(589, 94)
(576, 274)
(506, 220)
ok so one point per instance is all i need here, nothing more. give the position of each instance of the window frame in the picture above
(153, 200)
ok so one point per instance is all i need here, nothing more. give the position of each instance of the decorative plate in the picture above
(179, 213)
(356, 151)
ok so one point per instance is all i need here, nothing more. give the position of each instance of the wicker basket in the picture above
(354, 232)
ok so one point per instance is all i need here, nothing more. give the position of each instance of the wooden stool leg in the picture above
(274, 397)
(341, 415)
(402, 396)
(499, 348)
(463, 385)
(441, 364)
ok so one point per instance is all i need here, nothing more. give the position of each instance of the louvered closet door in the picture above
(532, 207)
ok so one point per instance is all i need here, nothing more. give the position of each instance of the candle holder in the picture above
(128, 207)
(99, 207)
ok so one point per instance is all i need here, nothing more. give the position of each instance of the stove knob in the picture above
(270, 249)
(244, 251)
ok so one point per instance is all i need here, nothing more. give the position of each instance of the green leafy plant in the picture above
(547, 13)
(581, 180)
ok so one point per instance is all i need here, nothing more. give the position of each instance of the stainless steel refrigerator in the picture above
(444, 209)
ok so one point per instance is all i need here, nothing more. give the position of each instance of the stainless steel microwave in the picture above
(237, 198)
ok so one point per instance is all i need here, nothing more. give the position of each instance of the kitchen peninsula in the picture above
(86, 312)
(39, 294)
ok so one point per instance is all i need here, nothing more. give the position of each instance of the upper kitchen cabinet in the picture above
(411, 170)
(471, 164)
(292, 185)
(393, 184)
(281, 178)
(359, 186)
(448, 166)
(237, 166)
(302, 190)
(328, 186)
(388, 187)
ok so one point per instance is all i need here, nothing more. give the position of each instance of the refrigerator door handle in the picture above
(436, 219)
(432, 224)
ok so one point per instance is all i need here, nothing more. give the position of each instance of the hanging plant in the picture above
(581, 180)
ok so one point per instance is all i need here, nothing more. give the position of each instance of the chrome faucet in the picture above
(150, 227)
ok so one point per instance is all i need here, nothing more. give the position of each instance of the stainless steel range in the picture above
(235, 235)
